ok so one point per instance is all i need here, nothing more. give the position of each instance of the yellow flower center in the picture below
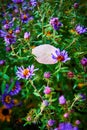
(25, 16)
(10, 31)
(60, 58)
(7, 99)
(25, 72)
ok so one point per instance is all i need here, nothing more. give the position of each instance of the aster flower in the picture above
(66, 115)
(61, 56)
(17, 1)
(45, 103)
(56, 129)
(47, 90)
(65, 126)
(26, 18)
(8, 48)
(25, 73)
(17, 30)
(62, 100)
(51, 122)
(2, 62)
(9, 37)
(75, 128)
(6, 26)
(47, 75)
(80, 29)
(84, 61)
(33, 3)
(26, 35)
(55, 23)
(76, 5)
(77, 122)
(16, 89)
(7, 100)
(2, 33)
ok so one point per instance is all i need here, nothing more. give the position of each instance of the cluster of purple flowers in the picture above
(9, 37)
(80, 29)
(6, 97)
(66, 126)
(17, 1)
(25, 17)
(33, 3)
(55, 23)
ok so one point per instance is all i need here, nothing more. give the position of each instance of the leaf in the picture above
(1, 73)
(6, 77)
(3, 85)
(11, 86)
(36, 94)
(78, 54)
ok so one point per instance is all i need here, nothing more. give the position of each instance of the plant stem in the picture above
(36, 89)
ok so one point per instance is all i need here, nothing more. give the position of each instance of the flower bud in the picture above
(62, 100)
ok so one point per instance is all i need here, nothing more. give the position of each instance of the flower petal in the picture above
(43, 54)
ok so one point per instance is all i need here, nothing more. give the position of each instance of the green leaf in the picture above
(3, 86)
(36, 94)
(1, 73)
(6, 77)
(11, 86)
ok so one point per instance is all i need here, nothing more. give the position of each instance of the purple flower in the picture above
(77, 122)
(76, 5)
(7, 100)
(45, 103)
(66, 115)
(17, 1)
(75, 128)
(26, 35)
(51, 122)
(47, 75)
(16, 89)
(26, 18)
(16, 10)
(56, 129)
(17, 30)
(61, 56)
(33, 3)
(62, 100)
(8, 48)
(2, 62)
(80, 29)
(6, 26)
(82, 96)
(47, 90)
(84, 61)
(65, 126)
(25, 73)
(2, 33)
(10, 38)
(55, 23)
